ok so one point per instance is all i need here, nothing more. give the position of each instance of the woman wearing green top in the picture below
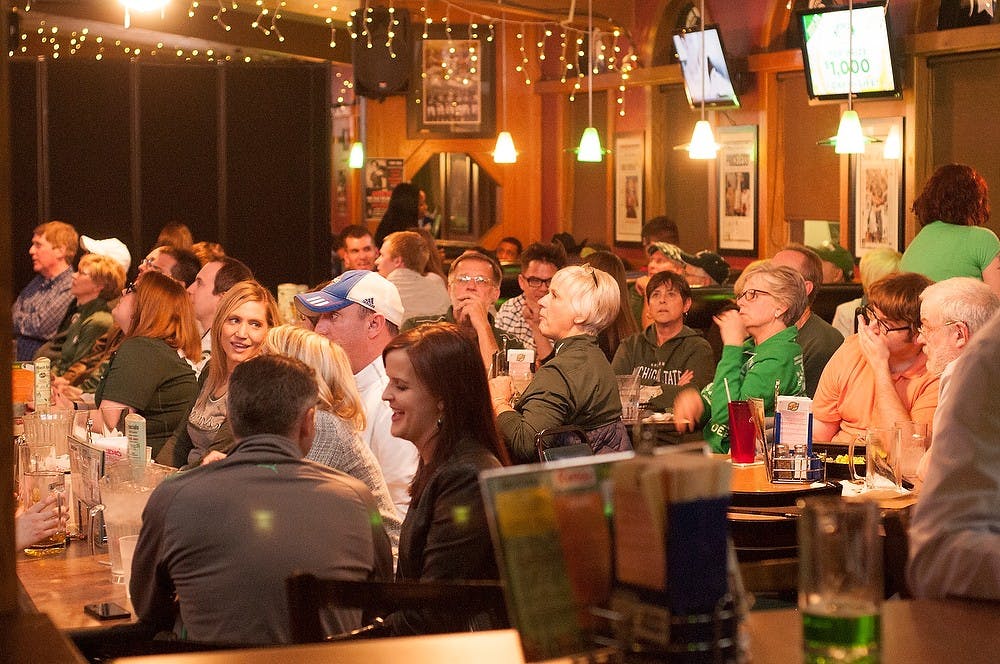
(149, 374)
(770, 299)
(98, 279)
(952, 210)
(576, 385)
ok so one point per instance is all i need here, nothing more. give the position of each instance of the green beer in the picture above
(841, 632)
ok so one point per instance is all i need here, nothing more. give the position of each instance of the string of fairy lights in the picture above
(535, 39)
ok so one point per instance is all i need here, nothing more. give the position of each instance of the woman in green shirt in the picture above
(150, 374)
(770, 298)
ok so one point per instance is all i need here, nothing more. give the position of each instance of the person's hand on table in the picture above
(213, 456)
(688, 409)
(731, 327)
(41, 520)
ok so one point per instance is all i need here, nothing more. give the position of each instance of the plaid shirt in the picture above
(38, 311)
(510, 320)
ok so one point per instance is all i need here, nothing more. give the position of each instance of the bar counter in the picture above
(923, 631)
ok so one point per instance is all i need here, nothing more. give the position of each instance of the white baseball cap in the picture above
(369, 289)
(112, 248)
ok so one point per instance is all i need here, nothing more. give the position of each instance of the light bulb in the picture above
(590, 146)
(703, 145)
(504, 152)
(850, 139)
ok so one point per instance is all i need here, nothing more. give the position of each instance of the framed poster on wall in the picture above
(737, 168)
(453, 93)
(877, 187)
(629, 184)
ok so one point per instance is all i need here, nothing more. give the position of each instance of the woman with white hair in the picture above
(576, 385)
(340, 416)
(769, 299)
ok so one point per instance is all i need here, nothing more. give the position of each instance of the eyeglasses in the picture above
(589, 269)
(150, 264)
(478, 280)
(536, 282)
(867, 315)
(751, 294)
(926, 330)
(129, 288)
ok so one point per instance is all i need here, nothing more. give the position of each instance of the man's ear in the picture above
(307, 430)
(373, 325)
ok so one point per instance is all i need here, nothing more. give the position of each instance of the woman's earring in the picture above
(776, 314)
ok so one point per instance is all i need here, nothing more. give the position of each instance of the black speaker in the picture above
(380, 71)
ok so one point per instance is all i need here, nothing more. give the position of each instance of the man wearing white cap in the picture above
(361, 311)
(112, 247)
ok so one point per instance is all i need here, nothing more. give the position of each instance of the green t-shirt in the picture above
(148, 375)
(941, 251)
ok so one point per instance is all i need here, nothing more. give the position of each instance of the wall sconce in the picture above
(356, 158)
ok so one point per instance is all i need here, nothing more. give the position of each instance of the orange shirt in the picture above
(846, 392)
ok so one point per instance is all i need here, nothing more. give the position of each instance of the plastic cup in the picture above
(742, 433)
(840, 581)
(126, 544)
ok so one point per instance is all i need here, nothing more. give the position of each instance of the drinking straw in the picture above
(729, 397)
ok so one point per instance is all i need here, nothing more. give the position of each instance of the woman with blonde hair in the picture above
(577, 385)
(760, 354)
(339, 416)
(245, 314)
(98, 280)
(150, 374)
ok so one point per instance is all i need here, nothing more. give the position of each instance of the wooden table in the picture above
(924, 631)
(61, 584)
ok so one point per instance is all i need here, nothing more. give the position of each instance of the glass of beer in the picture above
(840, 581)
(35, 487)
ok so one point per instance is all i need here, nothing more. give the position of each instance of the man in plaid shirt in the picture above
(518, 316)
(43, 303)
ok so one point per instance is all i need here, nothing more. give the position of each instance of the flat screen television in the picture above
(829, 59)
(718, 83)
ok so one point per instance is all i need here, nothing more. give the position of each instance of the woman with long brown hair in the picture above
(245, 314)
(440, 402)
(149, 373)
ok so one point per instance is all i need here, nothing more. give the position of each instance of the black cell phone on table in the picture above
(106, 611)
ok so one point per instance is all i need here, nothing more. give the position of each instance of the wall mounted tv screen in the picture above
(718, 82)
(830, 59)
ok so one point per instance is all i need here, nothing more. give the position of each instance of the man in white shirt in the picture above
(955, 531)
(361, 311)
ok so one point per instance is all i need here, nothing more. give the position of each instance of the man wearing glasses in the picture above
(879, 376)
(518, 316)
(473, 287)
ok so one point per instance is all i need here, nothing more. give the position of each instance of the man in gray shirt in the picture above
(223, 537)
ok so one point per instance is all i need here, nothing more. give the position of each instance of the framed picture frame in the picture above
(736, 166)
(877, 187)
(453, 86)
(630, 180)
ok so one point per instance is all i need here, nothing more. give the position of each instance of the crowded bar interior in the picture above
(500, 331)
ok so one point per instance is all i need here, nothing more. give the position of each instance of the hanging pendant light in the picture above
(590, 149)
(702, 144)
(850, 139)
(504, 152)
